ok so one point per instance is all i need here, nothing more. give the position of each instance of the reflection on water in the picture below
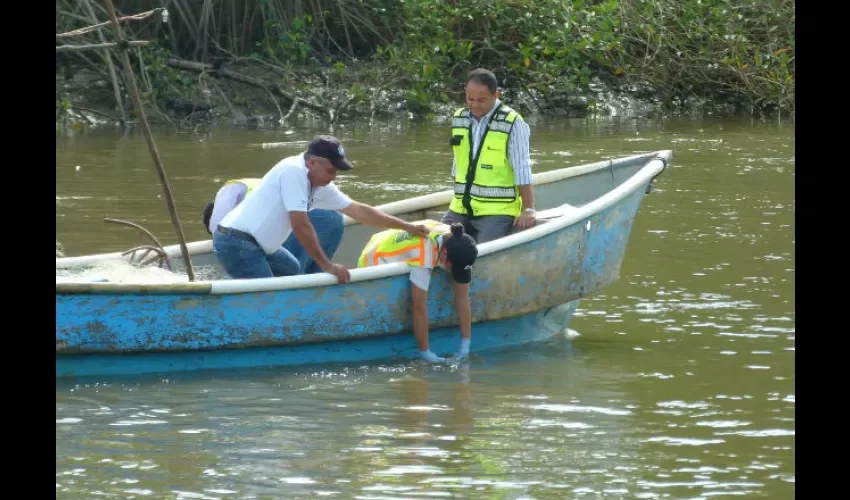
(553, 421)
(680, 383)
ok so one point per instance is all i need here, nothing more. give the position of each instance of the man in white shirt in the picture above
(248, 240)
(328, 224)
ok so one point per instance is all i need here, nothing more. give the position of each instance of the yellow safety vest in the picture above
(249, 183)
(397, 245)
(484, 185)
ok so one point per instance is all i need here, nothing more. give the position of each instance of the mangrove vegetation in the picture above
(266, 62)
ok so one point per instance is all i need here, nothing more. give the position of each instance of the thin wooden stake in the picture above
(116, 87)
(137, 103)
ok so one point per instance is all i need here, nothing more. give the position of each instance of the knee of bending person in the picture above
(326, 216)
(335, 221)
(337, 218)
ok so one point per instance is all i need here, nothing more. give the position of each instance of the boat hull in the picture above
(529, 328)
(526, 287)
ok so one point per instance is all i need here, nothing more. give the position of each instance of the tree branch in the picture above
(274, 89)
(160, 250)
(136, 17)
(93, 46)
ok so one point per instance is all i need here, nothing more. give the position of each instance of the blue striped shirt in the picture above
(518, 145)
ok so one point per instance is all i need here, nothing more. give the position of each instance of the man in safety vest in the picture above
(492, 165)
(327, 223)
(447, 247)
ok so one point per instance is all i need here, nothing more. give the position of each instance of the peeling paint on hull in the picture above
(529, 328)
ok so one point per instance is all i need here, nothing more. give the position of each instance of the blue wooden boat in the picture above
(527, 286)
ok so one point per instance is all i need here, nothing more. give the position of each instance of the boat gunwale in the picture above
(651, 169)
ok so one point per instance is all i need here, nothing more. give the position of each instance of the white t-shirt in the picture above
(421, 275)
(285, 188)
(227, 197)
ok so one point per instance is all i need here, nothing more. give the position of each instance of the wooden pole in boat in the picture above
(137, 103)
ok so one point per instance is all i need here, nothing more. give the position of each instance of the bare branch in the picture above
(148, 233)
(291, 110)
(274, 89)
(159, 254)
(137, 17)
(94, 46)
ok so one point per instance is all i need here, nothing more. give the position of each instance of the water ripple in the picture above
(579, 409)
(680, 383)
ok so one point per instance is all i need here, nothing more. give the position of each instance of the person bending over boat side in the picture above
(491, 168)
(446, 247)
(328, 224)
(248, 240)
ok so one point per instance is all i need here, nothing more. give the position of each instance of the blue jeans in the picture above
(329, 229)
(243, 259)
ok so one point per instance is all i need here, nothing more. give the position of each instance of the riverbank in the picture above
(244, 94)
(256, 64)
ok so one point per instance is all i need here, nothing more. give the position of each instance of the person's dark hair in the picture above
(484, 77)
(461, 251)
(208, 210)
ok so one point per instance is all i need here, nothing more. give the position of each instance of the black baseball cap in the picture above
(329, 147)
(461, 252)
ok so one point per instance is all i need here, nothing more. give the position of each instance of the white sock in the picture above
(464, 346)
(430, 356)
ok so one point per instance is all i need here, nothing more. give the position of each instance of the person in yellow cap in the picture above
(447, 247)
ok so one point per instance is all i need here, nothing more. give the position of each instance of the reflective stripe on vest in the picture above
(249, 183)
(484, 184)
(397, 245)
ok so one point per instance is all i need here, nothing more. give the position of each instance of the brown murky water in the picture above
(679, 382)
